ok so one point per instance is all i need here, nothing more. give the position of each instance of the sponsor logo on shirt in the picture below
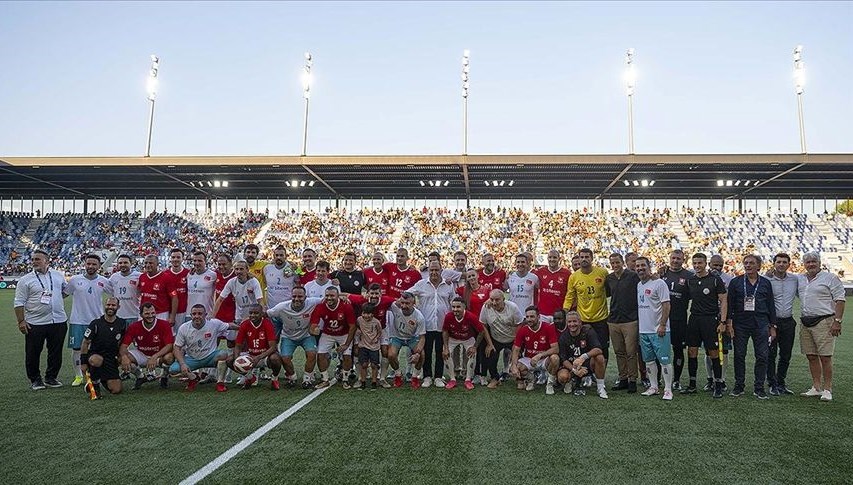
(208, 335)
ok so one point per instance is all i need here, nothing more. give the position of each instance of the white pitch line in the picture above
(248, 440)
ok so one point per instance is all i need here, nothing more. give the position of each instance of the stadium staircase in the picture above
(677, 229)
(26, 241)
(397, 235)
(262, 233)
(540, 245)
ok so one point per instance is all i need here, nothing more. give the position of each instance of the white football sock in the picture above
(652, 372)
(667, 376)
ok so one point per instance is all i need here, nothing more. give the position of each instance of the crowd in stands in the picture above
(503, 232)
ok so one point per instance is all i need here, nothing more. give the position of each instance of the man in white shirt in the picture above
(196, 347)
(41, 317)
(653, 314)
(125, 283)
(522, 284)
(280, 278)
(434, 295)
(86, 291)
(201, 284)
(822, 301)
(293, 317)
(317, 287)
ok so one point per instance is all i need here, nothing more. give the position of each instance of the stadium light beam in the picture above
(630, 81)
(152, 96)
(306, 94)
(466, 60)
(799, 85)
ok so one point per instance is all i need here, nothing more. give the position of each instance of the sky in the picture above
(546, 78)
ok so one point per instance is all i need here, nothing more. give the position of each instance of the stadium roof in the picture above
(432, 176)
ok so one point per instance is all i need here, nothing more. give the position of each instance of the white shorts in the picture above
(466, 344)
(328, 343)
(546, 318)
(140, 358)
(163, 316)
(525, 361)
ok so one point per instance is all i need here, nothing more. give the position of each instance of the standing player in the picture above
(401, 276)
(156, 287)
(86, 291)
(256, 339)
(196, 348)
(246, 292)
(460, 328)
(201, 284)
(576, 263)
(295, 318)
(653, 314)
(338, 319)
(350, 279)
(377, 273)
(434, 296)
(317, 287)
(522, 285)
(179, 282)
(502, 319)
(538, 342)
(224, 273)
(676, 276)
(256, 266)
(280, 278)
(553, 284)
(708, 313)
(717, 264)
(587, 291)
(621, 286)
(489, 276)
(406, 325)
(580, 351)
(125, 283)
(307, 272)
(153, 342)
(100, 348)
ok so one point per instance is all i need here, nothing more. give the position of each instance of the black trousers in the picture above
(52, 334)
(782, 345)
(759, 335)
(491, 363)
(434, 343)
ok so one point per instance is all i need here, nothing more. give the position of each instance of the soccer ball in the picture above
(243, 364)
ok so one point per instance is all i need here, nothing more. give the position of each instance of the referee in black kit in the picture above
(708, 312)
(100, 348)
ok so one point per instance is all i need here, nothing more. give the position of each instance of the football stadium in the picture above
(460, 318)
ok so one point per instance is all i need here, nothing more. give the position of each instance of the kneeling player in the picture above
(295, 318)
(459, 330)
(538, 340)
(406, 327)
(196, 347)
(257, 336)
(100, 349)
(153, 342)
(580, 350)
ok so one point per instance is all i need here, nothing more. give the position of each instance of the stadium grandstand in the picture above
(500, 204)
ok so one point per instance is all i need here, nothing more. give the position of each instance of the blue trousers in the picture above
(760, 335)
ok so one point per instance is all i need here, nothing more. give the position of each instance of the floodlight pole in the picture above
(630, 79)
(466, 56)
(799, 84)
(306, 94)
(152, 96)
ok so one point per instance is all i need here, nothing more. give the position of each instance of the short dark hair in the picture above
(350, 253)
(298, 287)
(368, 308)
(323, 264)
(374, 286)
(199, 305)
(459, 299)
(618, 256)
(200, 253)
(251, 246)
(92, 256)
(756, 257)
(145, 305)
(644, 259)
(177, 250)
(700, 256)
(532, 308)
(127, 256)
(560, 312)
(783, 256)
(587, 251)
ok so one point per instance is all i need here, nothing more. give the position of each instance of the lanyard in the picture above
(48, 278)
(757, 284)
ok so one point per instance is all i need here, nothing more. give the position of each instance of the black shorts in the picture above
(109, 369)
(702, 329)
(367, 356)
(603, 332)
(678, 333)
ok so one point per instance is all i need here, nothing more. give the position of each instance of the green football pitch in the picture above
(426, 436)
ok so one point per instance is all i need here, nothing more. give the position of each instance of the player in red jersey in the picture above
(338, 318)
(553, 281)
(152, 339)
(179, 282)
(157, 287)
(538, 341)
(308, 271)
(400, 274)
(225, 272)
(377, 273)
(460, 328)
(256, 339)
(489, 276)
(381, 306)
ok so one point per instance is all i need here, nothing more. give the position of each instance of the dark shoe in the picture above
(724, 387)
(718, 390)
(709, 386)
(632, 387)
(620, 386)
(138, 384)
(784, 390)
(760, 394)
(736, 392)
(52, 383)
(774, 391)
(691, 389)
(37, 385)
(676, 386)
(164, 382)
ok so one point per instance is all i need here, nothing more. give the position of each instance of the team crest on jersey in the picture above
(559, 280)
(118, 336)
(261, 335)
(156, 286)
(583, 343)
(157, 338)
(207, 278)
(208, 335)
(648, 291)
(598, 280)
(183, 281)
(101, 284)
(681, 281)
(250, 290)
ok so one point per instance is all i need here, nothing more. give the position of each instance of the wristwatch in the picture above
(837, 320)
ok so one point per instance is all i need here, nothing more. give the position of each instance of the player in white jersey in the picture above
(406, 327)
(196, 347)
(201, 284)
(125, 283)
(317, 287)
(293, 317)
(522, 284)
(86, 291)
(280, 278)
(246, 292)
(653, 311)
